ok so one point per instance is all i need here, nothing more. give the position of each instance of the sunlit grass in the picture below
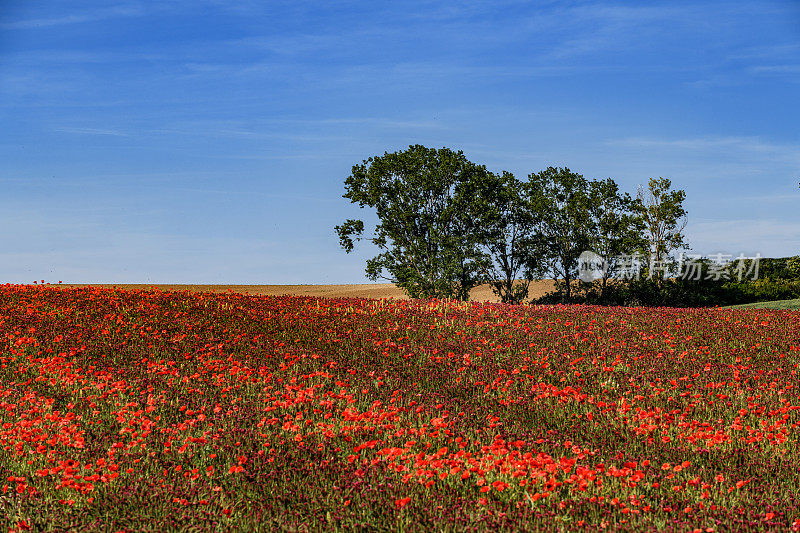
(777, 304)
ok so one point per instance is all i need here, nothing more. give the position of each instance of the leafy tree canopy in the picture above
(560, 199)
(664, 217)
(429, 203)
(511, 243)
(617, 230)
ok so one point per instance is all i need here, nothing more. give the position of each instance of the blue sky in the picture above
(207, 141)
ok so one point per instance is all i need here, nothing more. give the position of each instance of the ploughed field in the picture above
(483, 293)
(149, 410)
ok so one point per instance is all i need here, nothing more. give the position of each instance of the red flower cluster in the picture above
(339, 413)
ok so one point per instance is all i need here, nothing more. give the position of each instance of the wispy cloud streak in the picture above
(89, 16)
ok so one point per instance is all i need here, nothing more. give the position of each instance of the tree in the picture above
(508, 225)
(664, 218)
(429, 231)
(560, 199)
(616, 228)
(793, 266)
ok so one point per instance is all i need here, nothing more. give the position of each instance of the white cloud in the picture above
(773, 52)
(91, 131)
(736, 145)
(776, 69)
(615, 28)
(89, 16)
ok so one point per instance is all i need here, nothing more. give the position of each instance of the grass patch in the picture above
(777, 304)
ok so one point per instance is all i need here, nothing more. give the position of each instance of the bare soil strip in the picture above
(482, 293)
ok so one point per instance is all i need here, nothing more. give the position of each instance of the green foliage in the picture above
(560, 200)
(510, 239)
(782, 268)
(447, 224)
(616, 227)
(664, 218)
(762, 290)
(429, 203)
(793, 267)
(702, 290)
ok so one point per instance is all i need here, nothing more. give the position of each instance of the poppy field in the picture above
(152, 411)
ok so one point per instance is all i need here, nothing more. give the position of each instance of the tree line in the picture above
(446, 225)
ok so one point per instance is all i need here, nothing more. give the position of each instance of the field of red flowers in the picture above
(153, 411)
